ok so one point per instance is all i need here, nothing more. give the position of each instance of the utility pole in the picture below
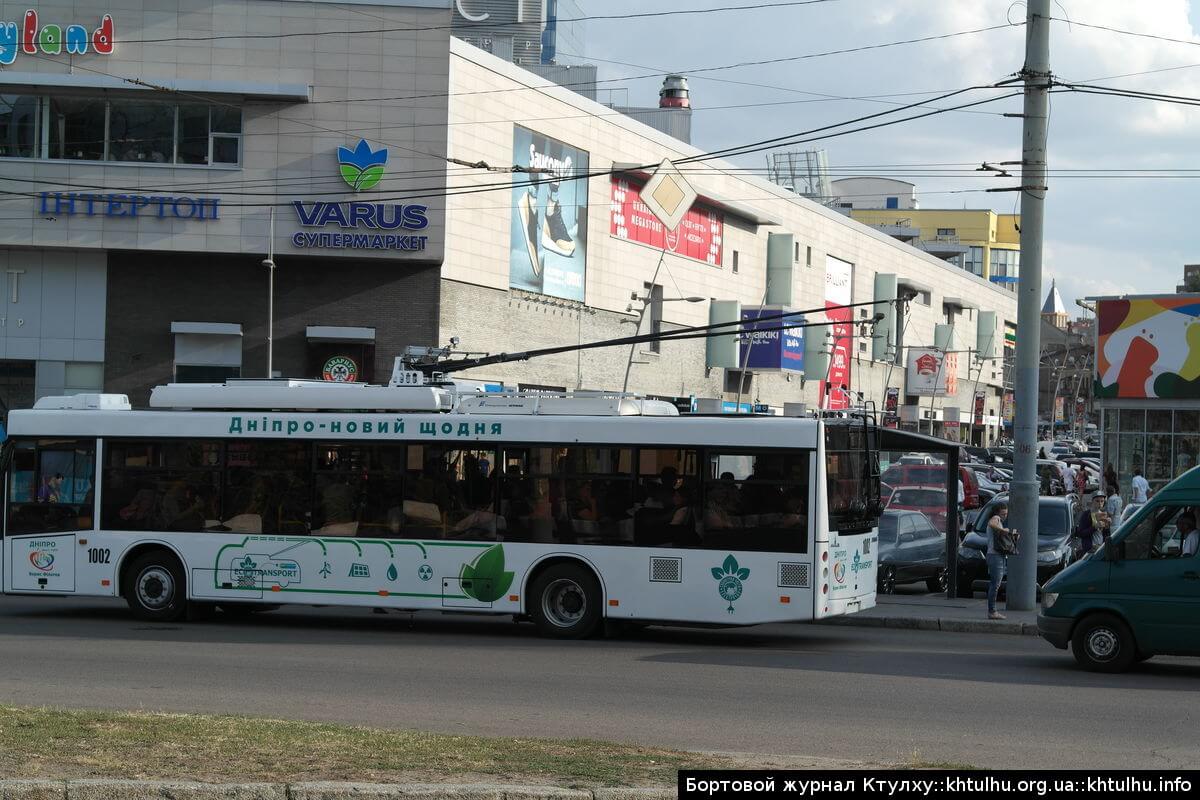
(1022, 572)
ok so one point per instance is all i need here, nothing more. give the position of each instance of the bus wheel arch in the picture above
(564, 597)
(153, 582)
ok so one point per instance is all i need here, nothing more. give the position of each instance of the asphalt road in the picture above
(847, 693)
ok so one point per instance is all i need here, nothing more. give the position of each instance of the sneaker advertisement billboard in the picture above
(548, 252)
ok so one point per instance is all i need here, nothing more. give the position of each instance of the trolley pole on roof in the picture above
(1022, 581)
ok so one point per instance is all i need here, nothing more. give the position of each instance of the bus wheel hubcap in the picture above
(1102, 643)
(564, 603)
(155, 588)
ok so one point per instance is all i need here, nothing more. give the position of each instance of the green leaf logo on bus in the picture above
(730, 577)
(484, 579)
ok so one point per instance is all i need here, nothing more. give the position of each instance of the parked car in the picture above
(910, 550)
(1053, 476)
(929, 500)
(989, 477)
(1056, 521)
(981, 454)
(917, 458)
(933, 475)
(1146, 605)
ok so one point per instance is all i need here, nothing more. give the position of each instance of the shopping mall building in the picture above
(149, 154)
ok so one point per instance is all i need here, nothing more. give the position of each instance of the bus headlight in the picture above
(1049, 599)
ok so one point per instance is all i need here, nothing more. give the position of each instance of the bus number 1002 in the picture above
(97, 555)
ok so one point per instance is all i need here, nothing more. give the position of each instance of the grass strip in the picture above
(58, 743)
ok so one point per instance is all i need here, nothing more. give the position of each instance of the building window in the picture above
(808, 258)
(121, 130)
(892, 202)
(1006, 267)
(18, 126)
(141, 131)
(734, 377)
(654, 313)
(74, 128)
(207, 352)
(796, 258)
(735, 261)
(947, 231)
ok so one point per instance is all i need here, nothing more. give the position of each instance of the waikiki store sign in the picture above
(35, 36)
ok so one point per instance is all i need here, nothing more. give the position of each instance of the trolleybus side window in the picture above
(756, 501)
(53, 486)
(172, 486)
(450, 493)
(268, 487)
(568, 494)
(668, 492)
(358, 488)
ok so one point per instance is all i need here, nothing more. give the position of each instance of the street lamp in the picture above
(645, 301)
(269, 263)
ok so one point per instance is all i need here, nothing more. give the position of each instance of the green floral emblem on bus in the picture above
(730, 577)
(484, 579)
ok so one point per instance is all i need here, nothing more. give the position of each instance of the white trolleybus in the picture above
(568, 511)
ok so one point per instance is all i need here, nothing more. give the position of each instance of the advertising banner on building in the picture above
(548, 252)
(1148, 347)
(891, 400)
(1060, 414)
(980, 403)
(770, 350)
(950, 419)
(932, 373)
(1009, 409)
(698, 236)
(839, 288)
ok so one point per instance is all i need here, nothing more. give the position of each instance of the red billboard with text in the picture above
(839, 288)
(698, 236)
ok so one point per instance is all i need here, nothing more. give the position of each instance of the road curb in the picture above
(94, 789)
(946, 625)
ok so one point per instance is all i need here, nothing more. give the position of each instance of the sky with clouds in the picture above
(1103, 235)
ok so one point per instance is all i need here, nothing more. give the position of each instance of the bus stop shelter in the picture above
(891, 439)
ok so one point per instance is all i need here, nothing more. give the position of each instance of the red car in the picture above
(933, 475)
(929, 500)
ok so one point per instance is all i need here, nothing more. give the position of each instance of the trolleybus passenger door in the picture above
(51, 498)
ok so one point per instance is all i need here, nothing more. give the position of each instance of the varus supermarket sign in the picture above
(35, 36)
(360, 225)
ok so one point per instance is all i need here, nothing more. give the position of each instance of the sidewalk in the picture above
(936, 613)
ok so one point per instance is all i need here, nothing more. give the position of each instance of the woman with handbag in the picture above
(1002, 543)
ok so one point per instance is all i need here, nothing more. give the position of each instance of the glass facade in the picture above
(130, 130)
(1161, 442)
(1005, 264)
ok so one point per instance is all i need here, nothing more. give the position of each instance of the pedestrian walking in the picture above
(1087, 531)
(1002, 542)
(1113, 505)
(1141, 487)
(1110, 475)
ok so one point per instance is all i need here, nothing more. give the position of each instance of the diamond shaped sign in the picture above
(668, 195)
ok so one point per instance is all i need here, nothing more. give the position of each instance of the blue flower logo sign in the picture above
(362, 167)
(730, 576)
